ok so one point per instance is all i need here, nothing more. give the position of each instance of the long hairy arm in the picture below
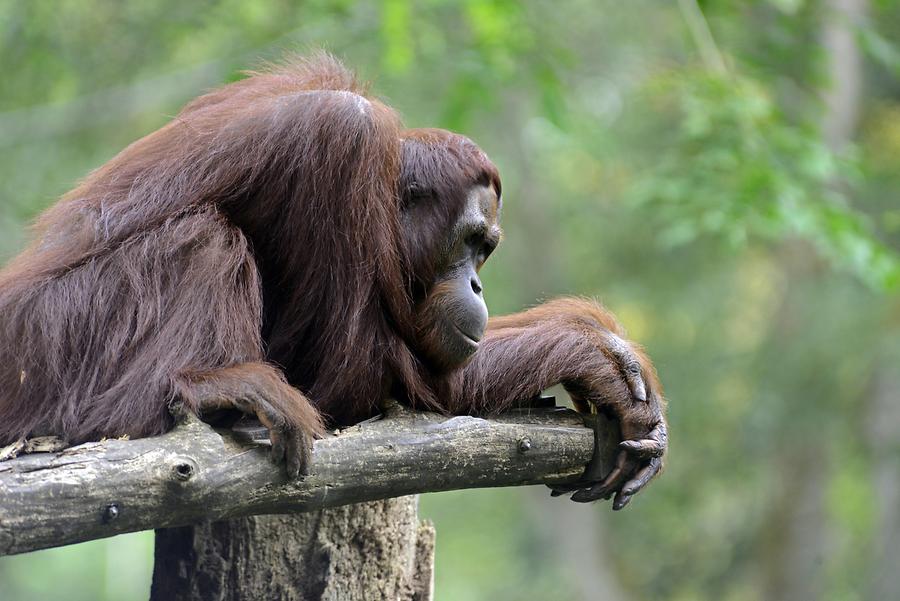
(579, 344)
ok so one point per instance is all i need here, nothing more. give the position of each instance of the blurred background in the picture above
(723, 175)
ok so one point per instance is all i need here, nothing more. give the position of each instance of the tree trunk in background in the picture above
(577, 537)
(799, 537)
(842, 103)
(884, 423)
(795, 554)
(845, 70)
(363, 552)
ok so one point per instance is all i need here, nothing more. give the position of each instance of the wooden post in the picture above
(363, 552)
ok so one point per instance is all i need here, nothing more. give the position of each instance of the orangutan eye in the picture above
(416, 193)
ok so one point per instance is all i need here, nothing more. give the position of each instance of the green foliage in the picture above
(731, 164)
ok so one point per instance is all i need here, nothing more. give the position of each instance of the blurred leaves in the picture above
(734, 166)
(879, 48)
(396, 32)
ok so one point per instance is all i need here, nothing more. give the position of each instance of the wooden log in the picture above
(195, 473)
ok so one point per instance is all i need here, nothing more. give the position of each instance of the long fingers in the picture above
(293, 447)
(628, 362)
(653, 445)
(639, 481)
(298, 452)
(560, 489)
(644, 449)
(651, 450)
(290, 446)
(638, 462)
(279, 446)
(604, 489)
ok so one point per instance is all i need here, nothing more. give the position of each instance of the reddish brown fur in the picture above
(259, 228)
(256, 241)
(562, 341)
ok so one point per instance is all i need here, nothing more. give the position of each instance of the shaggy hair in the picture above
(261, 229)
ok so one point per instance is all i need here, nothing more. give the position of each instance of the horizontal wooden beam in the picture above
(196, 473)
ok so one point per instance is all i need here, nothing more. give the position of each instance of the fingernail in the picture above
(620, 503)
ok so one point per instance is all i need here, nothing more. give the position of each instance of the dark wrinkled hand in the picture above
(291, 446)
(638, 461)
(645, 438)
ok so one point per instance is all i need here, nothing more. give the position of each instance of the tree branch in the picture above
(195, 473)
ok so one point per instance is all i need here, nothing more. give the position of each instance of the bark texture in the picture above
(369, 551)
(196, 474)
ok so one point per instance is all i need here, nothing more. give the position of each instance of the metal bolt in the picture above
(110, 513)
(524, 445)
(184, 471)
